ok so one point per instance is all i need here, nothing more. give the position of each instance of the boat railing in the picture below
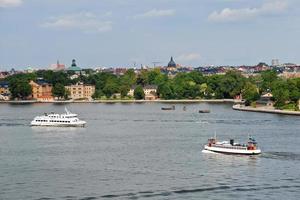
(229, 147)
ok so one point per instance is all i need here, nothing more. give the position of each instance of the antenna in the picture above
(67, 111)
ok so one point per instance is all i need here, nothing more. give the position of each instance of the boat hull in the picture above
(232, 151)
(204, 111)
(78, 124)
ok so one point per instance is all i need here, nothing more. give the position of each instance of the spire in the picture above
(172, 63)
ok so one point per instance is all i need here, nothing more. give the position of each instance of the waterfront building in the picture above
(265, 100)
(4, 91)
(41, 90)
(150, 92)
(81, 91)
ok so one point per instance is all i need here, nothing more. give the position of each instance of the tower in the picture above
(172, 63)
(74, 63)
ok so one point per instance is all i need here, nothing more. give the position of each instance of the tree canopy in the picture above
(192, 85)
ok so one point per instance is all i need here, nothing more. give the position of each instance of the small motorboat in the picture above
(231, 147)
(204, 111)
(168, 108)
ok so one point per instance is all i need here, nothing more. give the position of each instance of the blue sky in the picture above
(120, 32)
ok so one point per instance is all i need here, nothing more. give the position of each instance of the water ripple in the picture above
(281, 155)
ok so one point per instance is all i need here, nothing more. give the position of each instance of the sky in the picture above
(116, 33)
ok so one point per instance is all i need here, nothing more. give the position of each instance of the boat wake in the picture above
(12, 124)
(182, 191)
(281, 155)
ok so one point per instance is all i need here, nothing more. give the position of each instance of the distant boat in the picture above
(230, 147)
(67, 119)
(168, 108)
(204, 111)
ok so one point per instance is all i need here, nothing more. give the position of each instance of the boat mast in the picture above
(67, 111)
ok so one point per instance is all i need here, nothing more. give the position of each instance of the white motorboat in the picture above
(67, 119)
(230, 147)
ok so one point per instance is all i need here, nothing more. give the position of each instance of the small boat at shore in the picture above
(230, 147)
(67, 119)
(204, 111)
(168, 108)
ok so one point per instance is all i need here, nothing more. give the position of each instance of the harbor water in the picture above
(138, 151)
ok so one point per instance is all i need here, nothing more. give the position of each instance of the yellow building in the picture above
(41, 91)
(150, 92)
(81, 91)
(4, 91)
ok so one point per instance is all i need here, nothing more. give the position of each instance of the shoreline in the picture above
(130, 101)
(239, 107)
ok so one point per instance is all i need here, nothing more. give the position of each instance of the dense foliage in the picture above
(19, 86)
(193, 85)
(59, 91)
(139, 93)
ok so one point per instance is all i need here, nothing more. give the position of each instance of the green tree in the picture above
(280, 93)
(129, 78)
(20, 89)
(139, 93)
(294, 90)
(268, 77)
(197, 77)
(231, 84)
(110, 88)
(98, 94)
(143, 78)
(54, 77)
(59, 91)
(165, 91)
(203, 89)
(124, 89)
(250, 93)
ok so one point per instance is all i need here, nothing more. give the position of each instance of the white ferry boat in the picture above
(67, 119)
(231, 147)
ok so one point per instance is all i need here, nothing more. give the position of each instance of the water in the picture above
(138, 151)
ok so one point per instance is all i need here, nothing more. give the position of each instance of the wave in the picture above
(13, 124)
(145, 194)
(281, 155)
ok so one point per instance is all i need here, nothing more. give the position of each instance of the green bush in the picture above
(290, 106)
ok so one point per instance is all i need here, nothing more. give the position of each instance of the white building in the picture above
(275, 62)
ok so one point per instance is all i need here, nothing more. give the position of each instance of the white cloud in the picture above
(189, 57)
(83, 21)
(10, 3)
(156, 13)
(231, 15)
